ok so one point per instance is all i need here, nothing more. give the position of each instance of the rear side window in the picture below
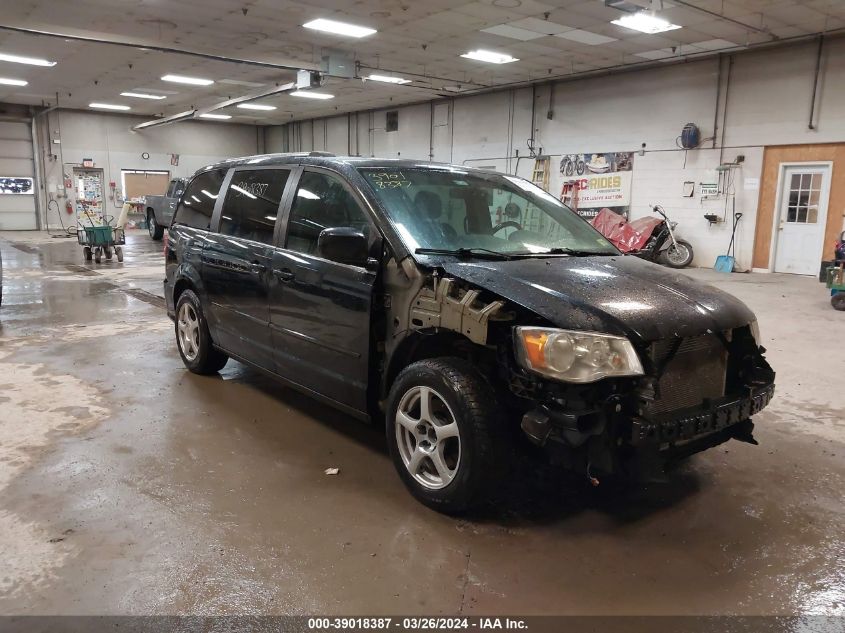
(321, 202)
(251, 204)
(197, 204)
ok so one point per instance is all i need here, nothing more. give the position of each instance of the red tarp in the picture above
(626, 236)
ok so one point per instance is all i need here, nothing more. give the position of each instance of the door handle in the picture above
(285, 274)
(257, 267)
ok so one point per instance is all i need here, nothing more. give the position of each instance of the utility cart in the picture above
(836, 283)
(100, 238)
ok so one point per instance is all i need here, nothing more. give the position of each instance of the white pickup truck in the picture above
(160, 208)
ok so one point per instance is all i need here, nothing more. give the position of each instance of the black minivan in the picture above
(468, 310)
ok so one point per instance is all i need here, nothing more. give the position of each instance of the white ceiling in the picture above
(420, 39)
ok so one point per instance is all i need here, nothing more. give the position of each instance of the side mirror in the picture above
(344, 245)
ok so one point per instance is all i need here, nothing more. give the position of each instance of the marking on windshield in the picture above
(385, 180)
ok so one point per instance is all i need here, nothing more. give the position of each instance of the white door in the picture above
(805, 190)
(17, 177)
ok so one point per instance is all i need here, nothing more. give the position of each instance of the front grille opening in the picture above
(697, 372)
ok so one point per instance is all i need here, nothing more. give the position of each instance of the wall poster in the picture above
(592, 182)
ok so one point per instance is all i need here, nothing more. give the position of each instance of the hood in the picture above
(621, 295)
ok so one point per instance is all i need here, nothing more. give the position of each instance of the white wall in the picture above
(766, 102)
(109, 140)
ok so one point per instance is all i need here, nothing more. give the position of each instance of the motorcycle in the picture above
(652, 239)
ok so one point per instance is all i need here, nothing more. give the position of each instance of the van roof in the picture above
(327, 158)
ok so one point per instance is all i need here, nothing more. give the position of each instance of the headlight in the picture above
(573, 356)
(755, 332)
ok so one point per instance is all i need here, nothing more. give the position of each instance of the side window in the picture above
(321, 202)
(197, 204)
(251, 204)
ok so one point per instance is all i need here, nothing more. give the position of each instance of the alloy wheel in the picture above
(188, 331)
(428, 438)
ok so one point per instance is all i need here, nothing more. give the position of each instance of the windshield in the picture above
(452, 210)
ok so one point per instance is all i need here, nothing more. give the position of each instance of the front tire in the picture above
(155, 229)
(444, 433)
(679, 256)
(838, 301)
(193, 339)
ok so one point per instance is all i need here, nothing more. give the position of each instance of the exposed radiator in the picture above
(697, 371)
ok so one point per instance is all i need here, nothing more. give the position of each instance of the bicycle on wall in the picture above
(572, 164)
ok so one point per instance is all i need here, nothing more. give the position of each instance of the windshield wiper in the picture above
(574, 252)
(464, 252)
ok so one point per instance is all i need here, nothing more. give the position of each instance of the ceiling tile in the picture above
(546, 27)
(512, 32)
(586, 37)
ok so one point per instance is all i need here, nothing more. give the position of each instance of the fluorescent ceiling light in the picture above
(338, 28)
(490, 57)
(215, 116)
(141, 95)
(181, 79)
(108, 106)
(310, 95)
(13, 82)
(32, 61)
(238, 82)
(388, 80)
(645, 23)
(255, 106)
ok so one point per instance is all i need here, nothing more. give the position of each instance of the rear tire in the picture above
(679, 257)
(155, 229)
(193, 339)
(448, 452)
(86, 253)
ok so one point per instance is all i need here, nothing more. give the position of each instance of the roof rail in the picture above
(320, 154)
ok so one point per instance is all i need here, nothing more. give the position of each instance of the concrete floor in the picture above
(130, 486)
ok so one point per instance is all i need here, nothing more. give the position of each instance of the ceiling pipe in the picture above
(198, 112)
(811, 125)
(160, 49)
(188, 114)
(246, 98)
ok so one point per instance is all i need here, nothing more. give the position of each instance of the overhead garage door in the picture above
(17, 199)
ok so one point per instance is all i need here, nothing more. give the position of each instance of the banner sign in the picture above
(592, 182)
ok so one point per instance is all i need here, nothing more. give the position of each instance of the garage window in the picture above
(391, 123)
(197, 205)
(252, 202)
(137, 183)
